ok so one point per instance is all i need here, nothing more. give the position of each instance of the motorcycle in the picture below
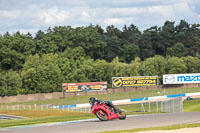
(104, 113)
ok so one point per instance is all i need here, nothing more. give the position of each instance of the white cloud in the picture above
(145, 17)
(162, 11)
(85, 16)
(114, 21)
(53, 16)
(37, 14)
(125, 11)
(9, 14)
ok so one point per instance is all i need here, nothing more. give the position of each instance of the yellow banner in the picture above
(134, 81)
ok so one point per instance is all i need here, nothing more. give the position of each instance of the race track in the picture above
(94, 125)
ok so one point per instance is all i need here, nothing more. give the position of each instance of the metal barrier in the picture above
(172, 105)
(142, 105)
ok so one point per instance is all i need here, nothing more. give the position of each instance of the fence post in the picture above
(181, 107)
(177, 107)
(156, 106)
(142, 105)
(35, 106)
(168, 106)
(63, 108)
(149, 106)
(182, 100)
(162, 110)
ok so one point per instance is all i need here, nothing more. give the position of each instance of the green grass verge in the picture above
(191, 105)
(30, 121)
(172, 127)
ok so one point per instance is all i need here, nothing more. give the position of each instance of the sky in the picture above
(33, 15)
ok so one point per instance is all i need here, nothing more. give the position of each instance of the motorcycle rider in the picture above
(92, 100)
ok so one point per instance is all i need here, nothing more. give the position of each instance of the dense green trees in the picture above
(41, 74)
(14, 49)
(177, 50)
(40, 63)
(10, 83)
(153, 66)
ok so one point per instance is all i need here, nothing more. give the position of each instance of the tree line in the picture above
(42, 63)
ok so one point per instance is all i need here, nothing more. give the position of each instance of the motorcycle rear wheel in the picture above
(122, 115)
(102, 117)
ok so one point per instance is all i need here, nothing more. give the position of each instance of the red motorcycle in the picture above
(104, 113)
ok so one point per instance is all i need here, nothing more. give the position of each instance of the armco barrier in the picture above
(177, 95)
(130, 101)
(66, 106)
(139, 99)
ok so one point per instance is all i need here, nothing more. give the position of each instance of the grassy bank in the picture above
(37, 117)
(40, 113)
(191, 105)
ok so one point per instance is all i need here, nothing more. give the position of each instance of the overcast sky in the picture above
(33, 15)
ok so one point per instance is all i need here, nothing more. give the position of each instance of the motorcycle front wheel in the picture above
(122, 115)
(101, 115)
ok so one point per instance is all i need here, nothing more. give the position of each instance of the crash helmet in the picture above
(91, 100)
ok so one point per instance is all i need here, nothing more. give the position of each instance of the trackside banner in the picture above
(82, 87)
(134, 81)
(181, 78)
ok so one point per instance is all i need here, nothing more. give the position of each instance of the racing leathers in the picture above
(108, 103)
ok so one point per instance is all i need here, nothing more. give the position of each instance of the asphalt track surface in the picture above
(94, 125)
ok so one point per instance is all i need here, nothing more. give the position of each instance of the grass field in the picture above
(40, 113)
(37, 117)
(191, 106)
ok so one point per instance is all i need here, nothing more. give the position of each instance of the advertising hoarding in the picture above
(134, 81)
(181, 78)
(83, 87)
